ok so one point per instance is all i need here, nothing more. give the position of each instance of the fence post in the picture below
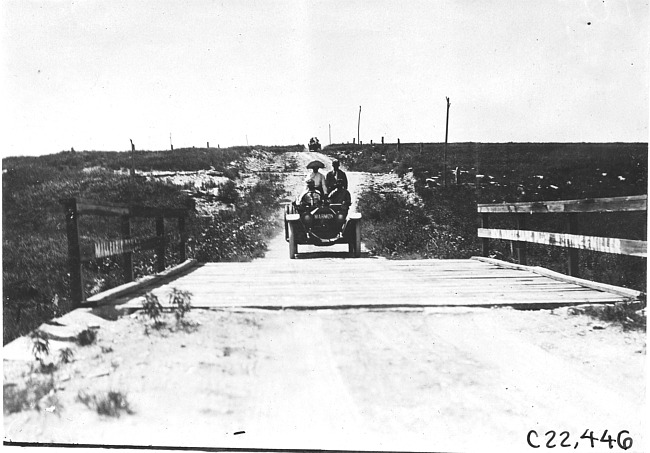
(181, 230)
(160, 250)
(572, 228)
(521, 245)
(485, 246)
(127, 258)
(74, 251)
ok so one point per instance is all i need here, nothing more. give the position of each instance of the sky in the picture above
(94, 74)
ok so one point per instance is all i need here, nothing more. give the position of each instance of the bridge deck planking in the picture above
(391, 293)
(327, 282)
(440, 286)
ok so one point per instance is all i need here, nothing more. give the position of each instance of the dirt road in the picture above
(443, 379)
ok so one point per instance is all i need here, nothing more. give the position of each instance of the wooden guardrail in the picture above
(79, 253)
(570, 239)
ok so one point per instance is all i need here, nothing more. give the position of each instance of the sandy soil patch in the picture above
(353, 379)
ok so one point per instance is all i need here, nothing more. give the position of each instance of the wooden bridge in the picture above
(339, 282)
(332, 280)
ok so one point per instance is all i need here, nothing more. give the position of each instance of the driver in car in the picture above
(310, 196)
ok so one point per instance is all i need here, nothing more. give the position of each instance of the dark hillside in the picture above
(444, 224)
(35, 282)
(550, 171)
(181, 159)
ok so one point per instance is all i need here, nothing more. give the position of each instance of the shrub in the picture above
(231, 173)
(66, 355)
(228, 192)
(239, 235)
(86, 337)
(180, 303)
(110, 404)
(17, 398)
(40, 345)
(397, 228)
(625, 314)
(152, 308)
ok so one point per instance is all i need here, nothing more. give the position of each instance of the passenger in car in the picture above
(319, 181)
(340, 195)
(336, 176)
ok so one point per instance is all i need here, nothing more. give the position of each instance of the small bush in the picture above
(40, 345)
(228, 192)
(110, 404)
(231, 173)
(18, 398)
(180, 303)
(86, 337)
(66, 355)
(152, 308)
(15, 399)
(625, 314)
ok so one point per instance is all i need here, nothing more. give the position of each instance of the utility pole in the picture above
(444, 177)
(330, 128)
(171, 145)
(359, 126)
(132, 159)
(246, 139)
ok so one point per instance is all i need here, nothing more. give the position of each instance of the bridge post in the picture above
(573, 259)
(485, 246)
(74, 251)
(520, 246)
(181, 230)
(160, 249)
(127, 258)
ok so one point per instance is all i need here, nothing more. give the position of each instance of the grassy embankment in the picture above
(443, 224)
(35, 281)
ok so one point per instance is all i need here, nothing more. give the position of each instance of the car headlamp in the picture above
(307, 219)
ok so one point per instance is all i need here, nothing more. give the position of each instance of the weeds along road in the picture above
(432, 379)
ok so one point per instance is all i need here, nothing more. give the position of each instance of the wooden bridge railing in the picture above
(79, 253)
(570, 239)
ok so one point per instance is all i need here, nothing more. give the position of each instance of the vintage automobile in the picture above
(312, 220)
(314, 145)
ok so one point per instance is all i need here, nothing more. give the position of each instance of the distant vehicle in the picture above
(314, 145)
(314, 221)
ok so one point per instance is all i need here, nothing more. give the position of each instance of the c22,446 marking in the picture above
(623, 440)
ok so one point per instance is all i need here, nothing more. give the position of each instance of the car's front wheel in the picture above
(357, 239)
(286, 224)
(293, 245)
(354, 246)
